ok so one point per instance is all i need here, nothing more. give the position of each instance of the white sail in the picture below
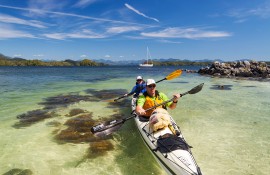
(148, 57)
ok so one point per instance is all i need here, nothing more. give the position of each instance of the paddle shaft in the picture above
(169, 77)
(161, 80)
(102, 127)
(121, 97)
(133, 93)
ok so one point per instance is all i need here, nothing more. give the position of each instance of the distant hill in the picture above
(7, 61)
(157, 62)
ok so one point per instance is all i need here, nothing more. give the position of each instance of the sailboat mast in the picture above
(147, 54)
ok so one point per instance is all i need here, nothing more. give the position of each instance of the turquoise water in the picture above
(228, 126)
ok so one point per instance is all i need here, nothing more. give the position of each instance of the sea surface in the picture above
(46, 113)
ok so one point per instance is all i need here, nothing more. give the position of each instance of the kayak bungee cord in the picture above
(154, 139)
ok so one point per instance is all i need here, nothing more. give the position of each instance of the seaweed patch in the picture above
(120, 103)
(106, 94)
(99, 148)
(53, 123)
(63, 100)
(17, 171)
(75, 111)
(78, 130)
(32, 117)
(78, 127)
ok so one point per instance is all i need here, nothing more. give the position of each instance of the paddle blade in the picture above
(196, 89)
(107, 131)
(107, 128)
(174, 74)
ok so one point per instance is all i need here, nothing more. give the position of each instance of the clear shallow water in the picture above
(229, 127)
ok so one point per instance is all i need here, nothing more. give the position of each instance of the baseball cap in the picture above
(139, 78)
(150, 81)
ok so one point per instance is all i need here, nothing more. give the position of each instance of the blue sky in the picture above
(121, 30)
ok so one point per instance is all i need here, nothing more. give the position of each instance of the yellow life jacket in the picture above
(149, 102)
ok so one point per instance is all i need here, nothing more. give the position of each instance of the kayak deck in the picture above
(171, 152)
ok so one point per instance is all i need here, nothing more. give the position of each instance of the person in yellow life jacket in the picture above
(151, 98)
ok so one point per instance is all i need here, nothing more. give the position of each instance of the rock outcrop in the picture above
(252, 69)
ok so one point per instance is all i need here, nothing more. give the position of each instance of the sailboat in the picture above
(147, 64)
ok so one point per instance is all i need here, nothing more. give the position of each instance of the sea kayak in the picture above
(168, 146)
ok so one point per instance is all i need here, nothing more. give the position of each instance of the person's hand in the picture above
(141, 111)
(126, 95)
(176, 97)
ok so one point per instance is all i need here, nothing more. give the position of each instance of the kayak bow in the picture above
(172, 152)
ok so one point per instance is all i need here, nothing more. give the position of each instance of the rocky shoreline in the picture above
(251, 70)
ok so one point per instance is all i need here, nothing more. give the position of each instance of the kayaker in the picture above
(138, 88)
(153, 97)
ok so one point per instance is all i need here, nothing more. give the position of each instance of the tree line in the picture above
(7, 61)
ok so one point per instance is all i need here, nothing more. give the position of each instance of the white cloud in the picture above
(10, 19)
(83, 56)
(262, 11)
(58, 36)
(17, 55)
(84, 3)
(172, 42)
(122, 29)
(8, 32)
(35, 10)
(39, 55)
(77, 35)
(39, 7)
(188, 33)
(139, 13)
(85, 35)
(107, 56)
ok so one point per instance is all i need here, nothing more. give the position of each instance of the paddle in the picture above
(171, 76)
(107, 128)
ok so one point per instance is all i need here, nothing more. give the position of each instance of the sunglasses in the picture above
(139, 80)
(151, 86)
